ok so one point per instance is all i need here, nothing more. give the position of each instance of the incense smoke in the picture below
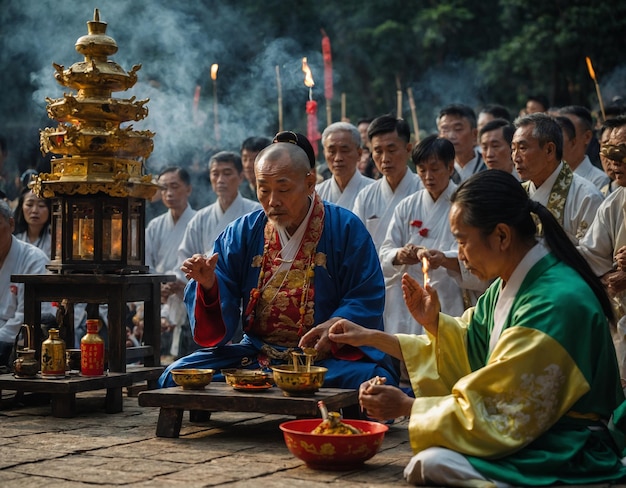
(175, 43)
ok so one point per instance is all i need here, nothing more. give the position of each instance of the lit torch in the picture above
(592, 73)
(311, 107)
(216, 118)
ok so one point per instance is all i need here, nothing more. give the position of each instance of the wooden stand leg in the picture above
(169, 423)
(64, 405)
(114, 402)
(199, 416)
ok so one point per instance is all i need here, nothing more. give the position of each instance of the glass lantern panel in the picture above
(133, 229)
(112, 233)
(57, 226)
(82, 232)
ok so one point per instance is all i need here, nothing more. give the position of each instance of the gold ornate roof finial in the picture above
(97, 154)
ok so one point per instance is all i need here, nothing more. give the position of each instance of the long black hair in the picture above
(492, 197)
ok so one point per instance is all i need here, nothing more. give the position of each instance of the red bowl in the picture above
(333, 452)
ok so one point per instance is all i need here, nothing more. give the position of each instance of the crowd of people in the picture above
(480, 270)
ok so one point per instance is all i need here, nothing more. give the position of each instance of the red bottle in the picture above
(92, 351)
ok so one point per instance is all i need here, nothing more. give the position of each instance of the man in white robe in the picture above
(342, 151)
(391, 148)
(578, 159)
(163, 236)
(16, 258)
(604, 245)
(420, 221)
(457, 123)
(537, 152)
(495, 143)
(225, 171)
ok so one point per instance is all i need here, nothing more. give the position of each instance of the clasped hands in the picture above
(615, 281)
(413, 254)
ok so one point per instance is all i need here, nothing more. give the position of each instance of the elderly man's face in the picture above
(532, 161)
(283, 190)
(342, 154)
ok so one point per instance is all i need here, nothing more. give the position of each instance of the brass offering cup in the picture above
(295, 381)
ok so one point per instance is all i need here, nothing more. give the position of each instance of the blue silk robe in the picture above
(349, 284)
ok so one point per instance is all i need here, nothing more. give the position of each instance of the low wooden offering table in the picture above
(220, 397)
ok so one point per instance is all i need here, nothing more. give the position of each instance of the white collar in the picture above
(509, 291)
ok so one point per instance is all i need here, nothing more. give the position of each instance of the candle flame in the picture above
(308, 76)
(214, 72)
(425, 268)
(592, 73)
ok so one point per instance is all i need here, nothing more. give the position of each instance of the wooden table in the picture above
(63, 391)
(116, 291)
(113, 289)
(219, 396)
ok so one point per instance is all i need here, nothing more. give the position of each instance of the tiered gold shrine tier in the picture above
(93, 152)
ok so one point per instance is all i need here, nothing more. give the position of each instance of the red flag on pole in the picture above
(328, 66)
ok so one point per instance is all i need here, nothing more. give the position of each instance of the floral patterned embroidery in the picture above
(582, 229)
(523, 413)
(558, 195)
(281, 307)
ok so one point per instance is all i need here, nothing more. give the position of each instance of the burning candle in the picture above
(328, 75)
(592, 73)
(311, 108)
(425, 268)
(215, 115)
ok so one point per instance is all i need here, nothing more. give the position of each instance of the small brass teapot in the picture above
(26, 364)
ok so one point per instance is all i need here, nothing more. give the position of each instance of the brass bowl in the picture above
(192, 379)
(248, 379)
(298, 382)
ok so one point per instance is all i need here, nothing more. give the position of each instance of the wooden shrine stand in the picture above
(114, 290)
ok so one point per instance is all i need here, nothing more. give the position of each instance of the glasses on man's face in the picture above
(613, 152)
(286, 136)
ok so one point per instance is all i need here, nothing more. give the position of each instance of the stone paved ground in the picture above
(232, 449)
(96, 449)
